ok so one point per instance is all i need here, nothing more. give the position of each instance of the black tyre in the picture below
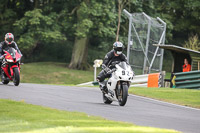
(4, 80)
(106, 100)
(16, 76)
(123, 95)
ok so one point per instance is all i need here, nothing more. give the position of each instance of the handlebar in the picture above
(114, 63)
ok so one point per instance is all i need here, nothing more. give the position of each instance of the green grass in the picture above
(53, 73)
(168, 75)
(186, 97)
(18, 117)
(56, 73)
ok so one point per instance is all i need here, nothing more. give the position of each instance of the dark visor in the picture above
(119, 49)
(9, 39)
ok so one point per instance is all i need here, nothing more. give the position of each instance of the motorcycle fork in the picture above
(11, 69)
(118, 88)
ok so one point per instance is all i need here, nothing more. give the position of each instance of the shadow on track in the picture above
(113, 105)
(7, 84)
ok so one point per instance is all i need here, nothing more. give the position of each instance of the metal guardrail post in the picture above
(127, 13)
(129, 33)
(147, 41)
(163, 41)
(162, 36)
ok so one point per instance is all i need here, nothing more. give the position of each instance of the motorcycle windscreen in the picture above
(123, 65)
(11, 51)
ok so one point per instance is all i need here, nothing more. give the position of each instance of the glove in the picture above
(103, 66)
(106, 69)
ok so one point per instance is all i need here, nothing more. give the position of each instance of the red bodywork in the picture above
(10, 65)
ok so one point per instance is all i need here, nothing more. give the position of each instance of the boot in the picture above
(103, 87)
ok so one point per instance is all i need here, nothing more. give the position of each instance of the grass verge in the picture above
(186, 97)
(21, 117)
(53, 73)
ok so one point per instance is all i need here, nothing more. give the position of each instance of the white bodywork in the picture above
(123, 73)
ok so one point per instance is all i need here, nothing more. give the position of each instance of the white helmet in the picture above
(9, 38)
(118, 47)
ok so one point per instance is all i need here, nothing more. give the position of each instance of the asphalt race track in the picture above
(138, 110)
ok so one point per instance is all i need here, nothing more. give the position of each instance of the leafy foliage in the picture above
(40, 24)
(193, 43)
(35, 28)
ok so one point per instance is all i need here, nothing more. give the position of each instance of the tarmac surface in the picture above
(138, 110)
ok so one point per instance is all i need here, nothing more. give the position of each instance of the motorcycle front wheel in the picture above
(16, 76)
(123, 95)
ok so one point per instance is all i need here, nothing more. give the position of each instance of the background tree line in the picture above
(79, 31)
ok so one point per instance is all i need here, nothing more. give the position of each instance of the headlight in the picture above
(9, 60)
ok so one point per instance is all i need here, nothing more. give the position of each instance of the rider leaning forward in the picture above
(114, 55)
(9, 42)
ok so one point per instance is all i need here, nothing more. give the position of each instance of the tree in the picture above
(10, 11)
(36, 28)
(193, 43)
(7, 16)
(182, 18)
(91, 25)
(121, 4)
(79, 55)
(94, 18)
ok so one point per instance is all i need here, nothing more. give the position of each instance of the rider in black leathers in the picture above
(114, 55)
(9, 42)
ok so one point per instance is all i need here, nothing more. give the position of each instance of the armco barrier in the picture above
(148, 80)
(188, 80)
(139, 81)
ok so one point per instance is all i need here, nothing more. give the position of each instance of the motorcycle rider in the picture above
(114, 55)
(9, 42)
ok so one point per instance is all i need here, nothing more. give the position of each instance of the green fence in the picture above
(188, 80)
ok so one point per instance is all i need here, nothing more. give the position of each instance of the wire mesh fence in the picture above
(144, 31)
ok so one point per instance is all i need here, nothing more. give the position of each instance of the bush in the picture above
(193, 43)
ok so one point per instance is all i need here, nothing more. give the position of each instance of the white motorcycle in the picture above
(118, 84)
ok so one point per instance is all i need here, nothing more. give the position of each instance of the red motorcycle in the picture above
(10, 68)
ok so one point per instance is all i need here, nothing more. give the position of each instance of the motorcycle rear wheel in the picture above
(124, 94)
(106, 100)
(16, 76)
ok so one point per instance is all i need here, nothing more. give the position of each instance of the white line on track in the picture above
(165, 102)
(155, 100)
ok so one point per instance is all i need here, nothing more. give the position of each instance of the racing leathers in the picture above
(4, 46)
(109, 58)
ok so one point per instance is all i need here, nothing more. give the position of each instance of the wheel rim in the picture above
(120, 97)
